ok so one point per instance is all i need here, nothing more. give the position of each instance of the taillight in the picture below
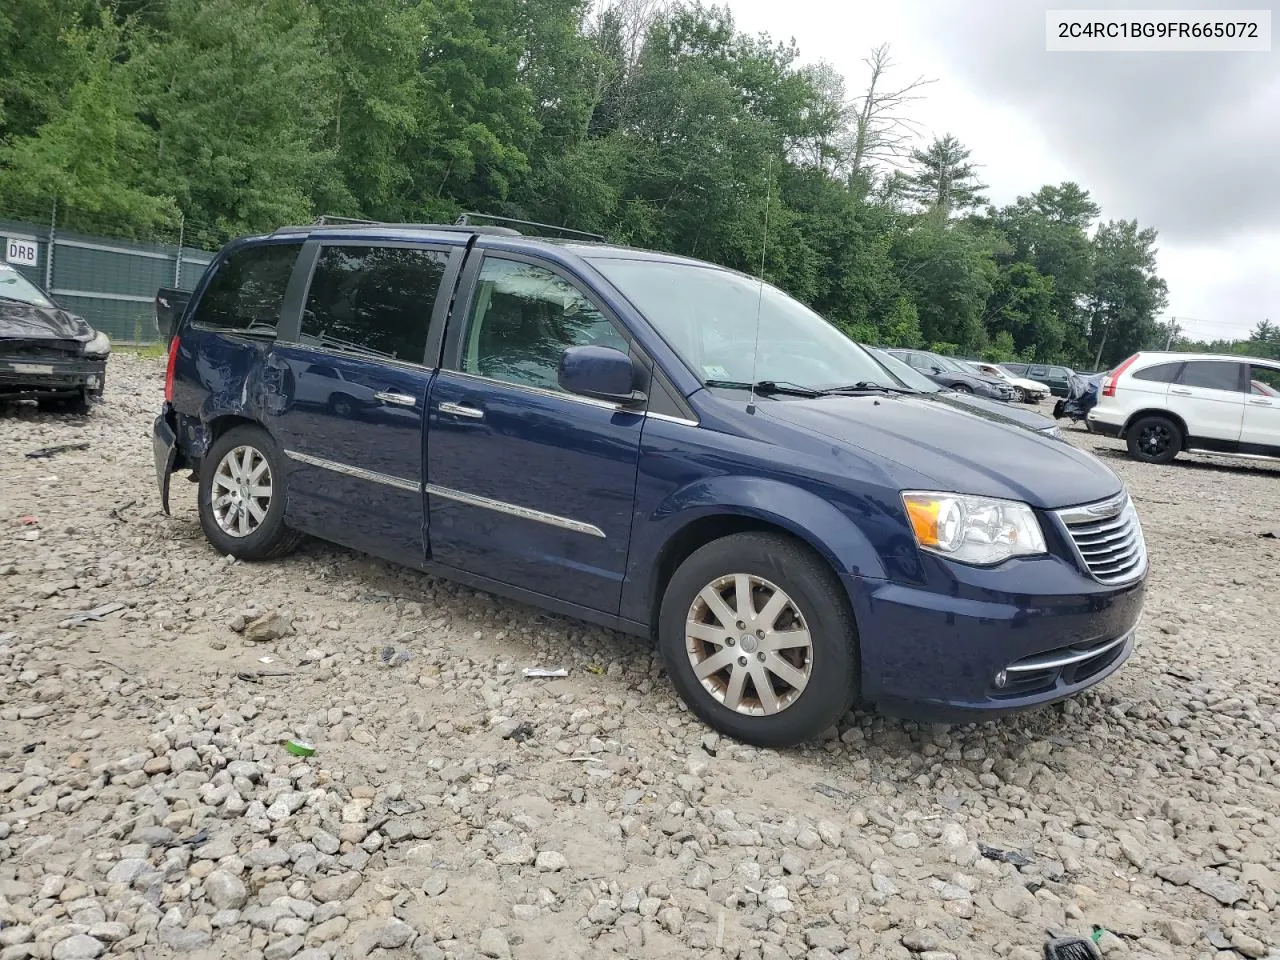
(168, 371)
(1109, 383)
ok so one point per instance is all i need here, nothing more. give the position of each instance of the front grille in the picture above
(1108, 539)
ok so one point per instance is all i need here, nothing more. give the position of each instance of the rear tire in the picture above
(242, 496)
(1154, 439)
(790, 670)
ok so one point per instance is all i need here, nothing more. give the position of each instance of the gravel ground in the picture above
(455, 808)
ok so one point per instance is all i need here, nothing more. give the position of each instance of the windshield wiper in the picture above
(769, 387)
(865, 386)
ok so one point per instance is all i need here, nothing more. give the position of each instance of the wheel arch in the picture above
(1156, 412)
(744, 506)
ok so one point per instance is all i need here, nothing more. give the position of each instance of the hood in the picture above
(950, 448)
(26, 321)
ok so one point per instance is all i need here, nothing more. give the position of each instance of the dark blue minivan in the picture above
(657, 445)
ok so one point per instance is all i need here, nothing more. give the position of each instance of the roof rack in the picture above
(350, 223)
(464, 220)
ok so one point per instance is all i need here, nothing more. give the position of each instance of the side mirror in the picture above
(604, 373)
(937, 370)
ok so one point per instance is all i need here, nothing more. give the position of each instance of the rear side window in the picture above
(247, 290)
(1211, 375)
(1160, 373)
(374, 298)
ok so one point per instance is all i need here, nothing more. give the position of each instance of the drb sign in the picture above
(21, 250)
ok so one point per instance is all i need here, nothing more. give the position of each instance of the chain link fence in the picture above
(108, 272)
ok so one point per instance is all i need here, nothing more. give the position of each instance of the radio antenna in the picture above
(764, 246)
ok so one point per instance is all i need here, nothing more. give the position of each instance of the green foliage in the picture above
(662, 125)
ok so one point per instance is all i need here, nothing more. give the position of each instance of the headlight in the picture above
(977, 530)
(99, 346)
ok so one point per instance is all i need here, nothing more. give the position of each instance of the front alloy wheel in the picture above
(748, 644)
(757, 635)
(241, 494)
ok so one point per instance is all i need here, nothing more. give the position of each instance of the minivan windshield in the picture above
(14, 286)
(708, 317)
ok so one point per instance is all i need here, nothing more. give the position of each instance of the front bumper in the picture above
(940, 657)
(33, 376)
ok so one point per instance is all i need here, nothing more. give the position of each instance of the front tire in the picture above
(962, 388)
(1019, 395)
(756, 634)
(242, 496)
(1154, 439)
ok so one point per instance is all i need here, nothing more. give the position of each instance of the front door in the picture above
(352, 394)
(1261, 432)
(526, 484)
(1209, 397)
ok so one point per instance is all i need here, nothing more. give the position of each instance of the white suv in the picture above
(1163, 403)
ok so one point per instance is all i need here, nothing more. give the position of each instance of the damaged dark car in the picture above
(46, 353)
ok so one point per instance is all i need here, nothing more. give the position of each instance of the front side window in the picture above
(730, 329)
(1211, 375)
(1038, 372)
(1059, 373)
(374, 298)
(522, 318)
(1264, 381)
(247, 291)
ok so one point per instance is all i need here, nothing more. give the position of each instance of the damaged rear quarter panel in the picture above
(219, 376)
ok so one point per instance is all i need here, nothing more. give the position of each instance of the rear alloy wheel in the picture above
(1154, 439)
(756, 634)
(242, 496)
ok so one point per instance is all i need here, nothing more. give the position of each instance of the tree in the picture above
(1048, 231)
(92, 151)
(942, 179)
(882, 128)
(1126, 293)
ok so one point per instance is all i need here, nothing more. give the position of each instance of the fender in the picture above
(829, 530)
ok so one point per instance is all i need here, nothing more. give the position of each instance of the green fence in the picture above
(109, 281)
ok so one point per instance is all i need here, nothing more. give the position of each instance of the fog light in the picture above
(1001, 679)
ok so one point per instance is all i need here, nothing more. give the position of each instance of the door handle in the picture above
(1181, 391)
(1260, 401)
(461, 410)
(398, 399)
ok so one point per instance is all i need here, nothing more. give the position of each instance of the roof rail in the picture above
(345, 223)
(465, 220)
(325, 220)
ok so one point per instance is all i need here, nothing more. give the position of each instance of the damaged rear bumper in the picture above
(32, 376)
(164, 447)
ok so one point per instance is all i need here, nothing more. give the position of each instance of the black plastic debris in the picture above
(521, 733)
(59, 448)
(1003, 856)
(1071, 948)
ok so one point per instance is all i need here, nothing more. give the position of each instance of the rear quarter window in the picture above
(247, 291)
(1159, 373)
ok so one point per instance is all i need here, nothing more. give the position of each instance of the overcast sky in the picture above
(1186, 143)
